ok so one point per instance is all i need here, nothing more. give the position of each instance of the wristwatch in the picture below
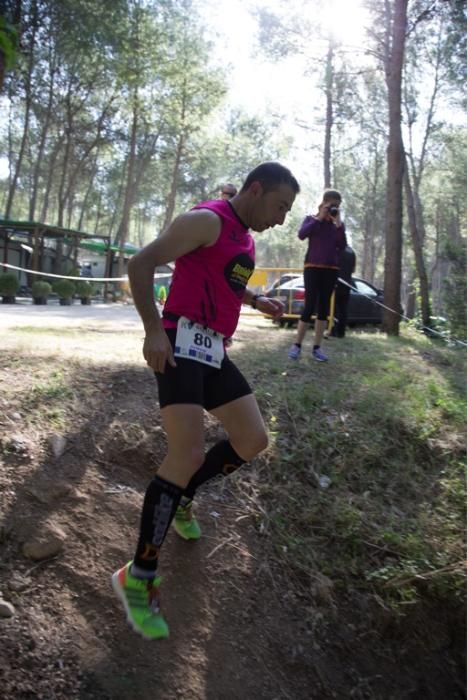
(254, 299)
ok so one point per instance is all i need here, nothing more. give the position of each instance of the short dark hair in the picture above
(331, 194)
(230, 187)
(271, 175)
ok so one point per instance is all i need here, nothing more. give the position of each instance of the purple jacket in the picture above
(325, 241)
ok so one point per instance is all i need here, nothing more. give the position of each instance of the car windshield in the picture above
(292, 284)
(364, 288)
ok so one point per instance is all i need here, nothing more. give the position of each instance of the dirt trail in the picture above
(230, 636)
(239, 629)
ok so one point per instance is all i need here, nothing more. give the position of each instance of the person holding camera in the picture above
(326, 238)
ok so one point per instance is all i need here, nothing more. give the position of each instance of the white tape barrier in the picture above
(406, 318)
(69, 277)
(164, 274)
(339, 279)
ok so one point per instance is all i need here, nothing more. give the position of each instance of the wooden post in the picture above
(76, 240)
(41, 254)
(35, 254)
(331, 311)
(108, 267)
(5, 249)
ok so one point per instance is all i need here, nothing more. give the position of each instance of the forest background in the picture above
(115, 116)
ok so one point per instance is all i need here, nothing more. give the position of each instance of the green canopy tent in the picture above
(38, 234)
(98, 246)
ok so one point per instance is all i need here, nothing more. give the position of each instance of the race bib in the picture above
(195, 342)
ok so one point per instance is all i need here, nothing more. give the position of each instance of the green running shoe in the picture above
(185, 523)
(140, 599)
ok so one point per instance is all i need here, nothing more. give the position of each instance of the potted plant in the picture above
(64, 289)
(9, 285)
(84, 290)
(40, 291)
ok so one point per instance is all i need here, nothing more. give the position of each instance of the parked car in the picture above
(361, 309)
(286, 277)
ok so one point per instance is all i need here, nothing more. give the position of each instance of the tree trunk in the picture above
(411, 298)
(44, 133)
(27, 114)
(368, 264)
(329, 79)
(50, 177)
(98, 212)
(66, 159)
(412, 182)
(88, 192)
(69, 191)
(436, 269)
(116, 206)
(417, 243)
(169, 212)
(123, 229)
(70, 207)
(395, 169)
(57, 266)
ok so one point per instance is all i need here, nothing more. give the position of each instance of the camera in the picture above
(333, 210)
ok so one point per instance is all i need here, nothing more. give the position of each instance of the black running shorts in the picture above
(197, 383)
(319, 285)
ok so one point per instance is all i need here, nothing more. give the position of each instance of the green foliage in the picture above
(455, 289)
(8, 40)
(9, 284)
(41, 289)
(96, 66)
(64, 288)
(455, 49)
(84, 289)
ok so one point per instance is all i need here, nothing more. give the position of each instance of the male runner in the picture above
(214, 258)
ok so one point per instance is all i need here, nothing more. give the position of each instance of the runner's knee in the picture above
(191, 458)
(195, 458)
(252, 445)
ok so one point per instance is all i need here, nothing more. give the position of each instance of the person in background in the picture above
(326, 237)
(228, 191)
(214, 255)
(347, 264)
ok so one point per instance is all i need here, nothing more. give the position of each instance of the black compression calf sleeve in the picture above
(220, 460)
(160, 503)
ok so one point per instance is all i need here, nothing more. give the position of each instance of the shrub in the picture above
(64, 288)
(41, 289)
(84, 289)
(9, 284)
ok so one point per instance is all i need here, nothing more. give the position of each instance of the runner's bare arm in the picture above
(270, 306)
(186, 233)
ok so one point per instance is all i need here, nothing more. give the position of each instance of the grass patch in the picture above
(384, 420)
(44, 330)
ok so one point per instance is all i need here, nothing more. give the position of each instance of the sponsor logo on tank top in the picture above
(238, 271)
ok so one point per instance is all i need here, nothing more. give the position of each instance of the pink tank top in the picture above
(208, 284)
